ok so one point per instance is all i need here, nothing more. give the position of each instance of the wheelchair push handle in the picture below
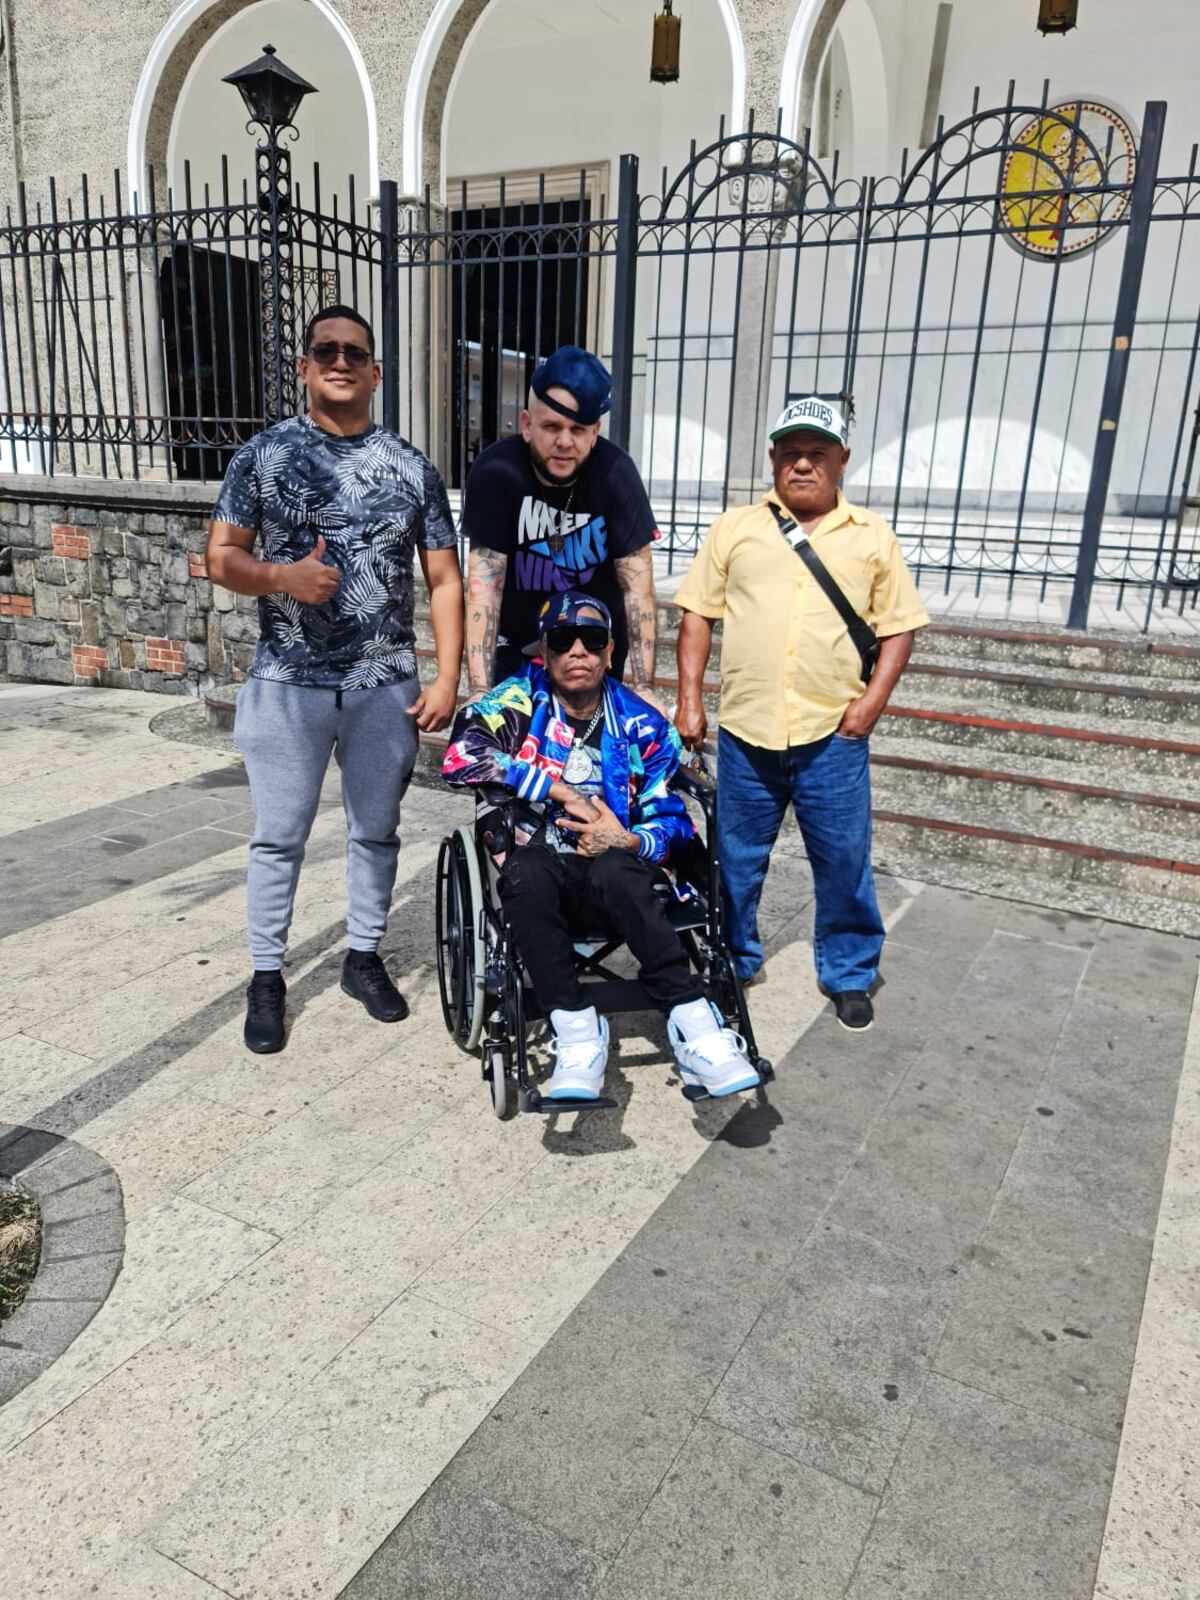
(694, 779)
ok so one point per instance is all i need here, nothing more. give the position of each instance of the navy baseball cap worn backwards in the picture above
(562, 611)
(582, 375)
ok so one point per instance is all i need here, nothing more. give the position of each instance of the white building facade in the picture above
(975, 354)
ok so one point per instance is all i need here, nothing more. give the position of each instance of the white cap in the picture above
(811, 415)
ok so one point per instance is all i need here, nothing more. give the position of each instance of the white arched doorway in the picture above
(183, 112)
(850, 109)
(603, 52)
(207, 313)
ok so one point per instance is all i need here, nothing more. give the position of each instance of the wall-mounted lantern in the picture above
(664, 53)
(1057, 16)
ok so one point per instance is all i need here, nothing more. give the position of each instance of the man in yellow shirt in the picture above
(796, 712)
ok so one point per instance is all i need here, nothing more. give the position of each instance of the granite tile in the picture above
(835, 1366)
(286, 1175)
(1046, 1311)
(629, 1372)
(987, 1499)
(455, 1545)
(734, 1519)
(335, 1470)
(929, 1172)
(175, 1257)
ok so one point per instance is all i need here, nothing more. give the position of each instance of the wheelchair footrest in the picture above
(534, 1100)
(695, 1091)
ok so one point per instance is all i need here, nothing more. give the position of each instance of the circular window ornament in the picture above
(1066, 182)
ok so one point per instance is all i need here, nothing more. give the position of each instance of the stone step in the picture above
(1122, 857)
(1117, 852)
(1137, 660)
(1125, 655)
(982, 684)
(1138, 909)
(1069, 737)
(909, 782)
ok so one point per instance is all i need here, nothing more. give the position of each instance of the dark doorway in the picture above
(519, 289)
(213, 360)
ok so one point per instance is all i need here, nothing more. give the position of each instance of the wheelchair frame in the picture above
(486, 1002)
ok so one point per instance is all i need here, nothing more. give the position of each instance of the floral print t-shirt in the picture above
(374, 499)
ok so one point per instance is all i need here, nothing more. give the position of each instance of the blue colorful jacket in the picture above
(516, 735)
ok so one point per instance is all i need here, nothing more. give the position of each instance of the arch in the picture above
(172, 57)
(811, 27)
(812, 32)
(431, 60)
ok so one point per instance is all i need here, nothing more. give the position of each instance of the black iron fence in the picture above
(1013, 319)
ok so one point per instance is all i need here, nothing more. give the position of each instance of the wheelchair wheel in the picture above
(460, 946)
(496, 1066)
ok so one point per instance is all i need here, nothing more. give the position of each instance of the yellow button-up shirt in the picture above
(788, 666)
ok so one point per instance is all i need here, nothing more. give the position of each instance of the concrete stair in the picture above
(1036, 765)
(1047, 767)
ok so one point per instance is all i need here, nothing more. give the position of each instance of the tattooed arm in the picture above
(603, 832)
(635, 574)
(485, 589)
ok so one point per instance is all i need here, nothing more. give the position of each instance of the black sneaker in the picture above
(263, 1032)
(854, 1010)
(364, 977)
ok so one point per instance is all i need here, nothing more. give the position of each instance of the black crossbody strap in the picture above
(861, 633)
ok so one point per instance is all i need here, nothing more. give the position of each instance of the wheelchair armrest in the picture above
(494, 794)
(697, 784)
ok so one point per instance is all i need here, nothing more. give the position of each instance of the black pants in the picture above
(549, 899)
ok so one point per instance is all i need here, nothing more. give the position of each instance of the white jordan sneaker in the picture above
(710, 1057)
(579, 1043)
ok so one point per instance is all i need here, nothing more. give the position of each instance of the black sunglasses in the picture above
(327, 352)
(593, 636)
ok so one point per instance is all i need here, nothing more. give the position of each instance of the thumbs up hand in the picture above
(310, 581)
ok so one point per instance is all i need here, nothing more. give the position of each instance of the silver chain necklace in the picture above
(578, 763)
(558, 538)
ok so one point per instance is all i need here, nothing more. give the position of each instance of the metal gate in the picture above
(1013, 318)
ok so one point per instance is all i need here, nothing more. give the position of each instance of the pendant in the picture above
(577, 766)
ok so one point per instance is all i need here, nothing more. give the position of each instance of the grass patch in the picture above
(20, 1245)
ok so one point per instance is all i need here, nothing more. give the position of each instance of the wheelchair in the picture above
(487, 1003)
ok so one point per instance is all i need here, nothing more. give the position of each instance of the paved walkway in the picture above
(873, 1339)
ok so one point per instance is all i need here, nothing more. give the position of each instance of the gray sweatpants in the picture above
(286, 734)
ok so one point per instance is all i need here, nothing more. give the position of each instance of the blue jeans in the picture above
(829, 788)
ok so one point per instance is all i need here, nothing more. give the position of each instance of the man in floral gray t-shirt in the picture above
(338, 506)
(372, 499)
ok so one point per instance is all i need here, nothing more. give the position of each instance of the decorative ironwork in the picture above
(982, 376)
(272, 93)
(1068, 179)
(275, 285)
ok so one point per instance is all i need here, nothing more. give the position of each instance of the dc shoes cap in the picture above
(582, 375)
(811, 415)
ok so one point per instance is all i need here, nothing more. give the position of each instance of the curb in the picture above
(83, 1246)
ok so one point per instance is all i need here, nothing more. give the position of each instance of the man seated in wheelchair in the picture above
(596, 761)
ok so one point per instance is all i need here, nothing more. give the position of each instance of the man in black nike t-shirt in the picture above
(552, 509)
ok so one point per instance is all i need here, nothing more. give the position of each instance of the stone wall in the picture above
(104, 583)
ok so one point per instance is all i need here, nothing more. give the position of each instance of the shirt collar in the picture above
(842, 512)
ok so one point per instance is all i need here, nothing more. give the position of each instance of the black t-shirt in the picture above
(556, 539)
